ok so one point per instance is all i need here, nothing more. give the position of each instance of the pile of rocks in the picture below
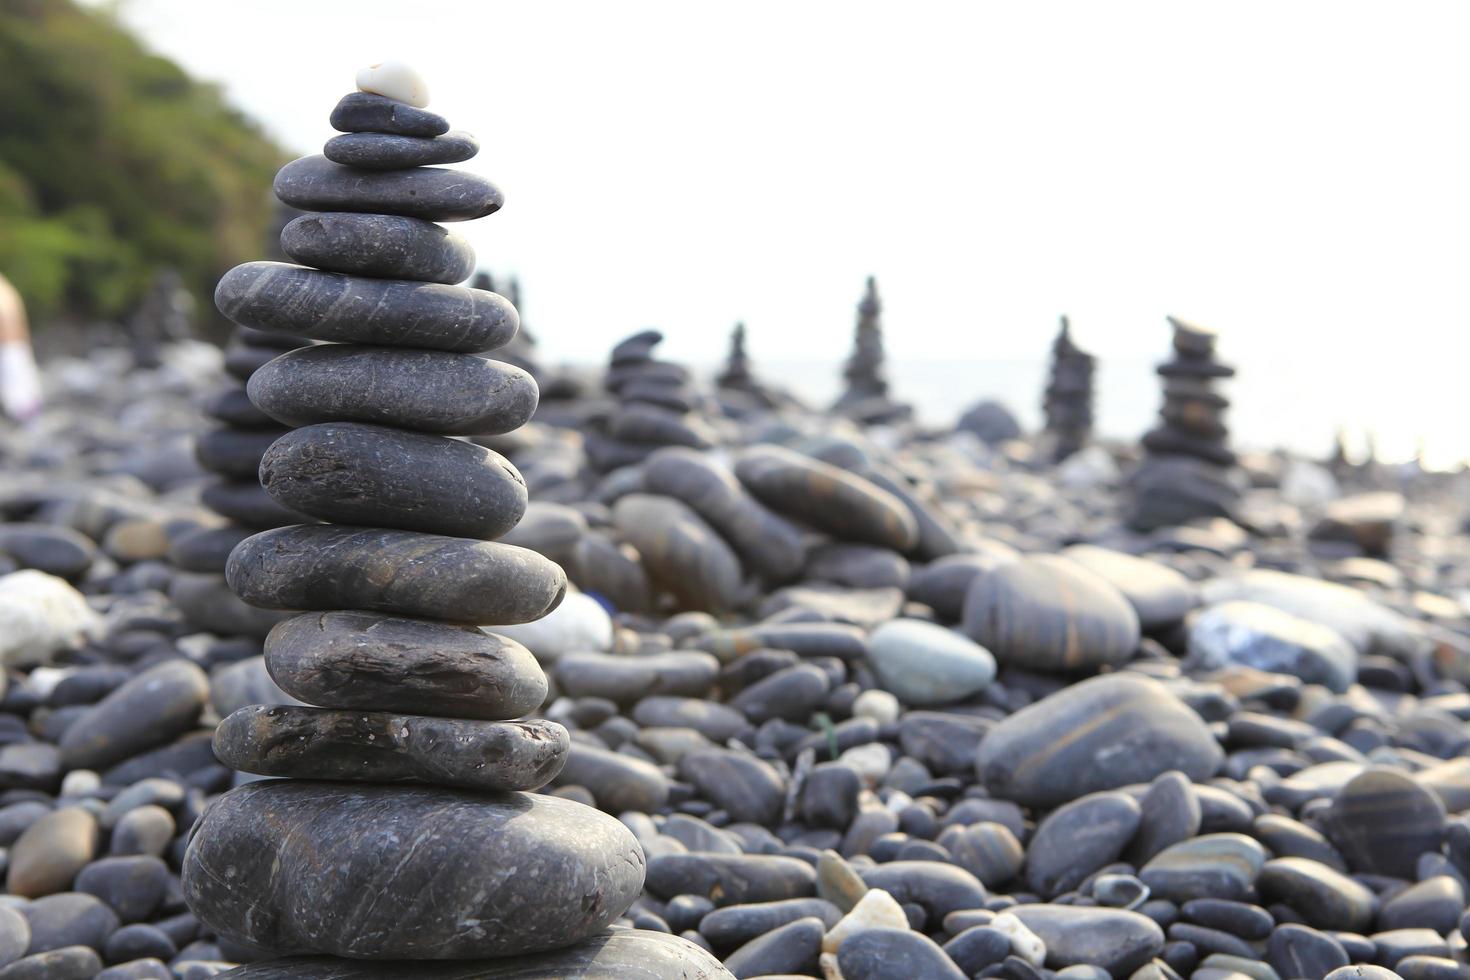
(1068, 402)
(1188, 470)
(865, 388)
(739, 390)
(402, 832)
(653, 404)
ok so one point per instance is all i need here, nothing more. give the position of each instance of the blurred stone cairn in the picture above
(865, 396)
(405, 830)
(653, 405)
(1068, 401)
(740, 393)
(1188, 470)
(521, 351)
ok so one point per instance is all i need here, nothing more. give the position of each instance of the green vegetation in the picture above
(114, 163)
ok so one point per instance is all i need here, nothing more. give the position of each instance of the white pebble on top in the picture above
(394, 80)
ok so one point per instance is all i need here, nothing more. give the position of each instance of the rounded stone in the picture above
(1048, 613)
(618, 954)
(1078, 839)
(73, 918)
(133, 886)
(732, 879)
(1256, 635)
(769, 544)
(50, 852)
(1221, 866)
(681, 552)
(937, 887)
(457, 580)
(1101, 734)
(315, 183)
(1117, 940)
(879, 954)
(1382, 820)
(233, 453)
(382, 747)
(743, 785)
(366, 661)
(281, 298)
(925, 664)
(684, 673)
(1158, 594)
(1295, 950)
(15, 935)
(303, 866)
(733, 925)
(385, 246)
(426, 391)
(375, 476)
(245, 502)
(790, 949)
(55, 550)
(389, 151)
(364, 112)
(149, 710)
(617, 782)
(1323, 897)
(830, 499)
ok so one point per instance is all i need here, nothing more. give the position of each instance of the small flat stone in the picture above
(48, 855)
(149, 710)
(1078, 839)
(1322, 897)
(943, 584)
(731, 926)
(133, 887)
(1158, 594)
(1213, 866)
(304, 866)
(403, 572)
(731, 879)
(617, 782)
(67, 963)
(207, 603)
(939, 888)
(387, 151)
(1048, 613)
(292, 299)
(681, 552)
(317, 184)
(831, 499)
(426, 391)
(366, 661)
(1382, 820)
(376, 476)
(382, 245)
(1103, 733)
(989, 851)
(924, 664)
(383, 747)
(244, 502)
(685, 673)
(363, 112)
(1170, 814)
(745, 786)
(792, 948)
(1114, 939)
(1299, 951)
(1435, 903)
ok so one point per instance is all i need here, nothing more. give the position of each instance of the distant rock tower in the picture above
(865, 395)
(1068, 401)
(1188, 471)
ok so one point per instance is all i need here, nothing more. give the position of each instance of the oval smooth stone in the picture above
(687, 673)
(323, 566)
(315, 183)
(1381, 821)
(362, 660)
(383, 245)
(380, 477)
(830, 499)
(882, 953)
(618, 954)
(292, 299)
(1116, 940)
(1047, 613)
(1221, 866)
(771, 545)
(731, 879)
(234, 453)
(1323, 897)
(382, 747)
(940, 888)
(149, 710)
(245, 502)
(681, 552)
(365, 112)
(300, 866)
(925, 664)
(390, 151)
(1159, 595)
(422, 390)
(1103, 733)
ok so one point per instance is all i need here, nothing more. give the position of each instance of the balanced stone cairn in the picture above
(653, 406)
(865, 395)
(1187, 472)
(1068, 402)
(405, 830)
(232, 452)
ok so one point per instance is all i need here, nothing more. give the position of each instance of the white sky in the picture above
(1294, 174)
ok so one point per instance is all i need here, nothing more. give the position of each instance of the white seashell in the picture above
(394, 80)
(1024, 943)
(875, 910)
(880, 706)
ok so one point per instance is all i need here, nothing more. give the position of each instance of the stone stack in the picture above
(521, 351)
(865, 393)
(232, 452)
(165, 316)
(405, 830)
(653, 406)
(1068, 402)
(737, 384)
(1187, 472)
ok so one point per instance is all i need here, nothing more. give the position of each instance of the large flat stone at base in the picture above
(619, 954)
(393, 872)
